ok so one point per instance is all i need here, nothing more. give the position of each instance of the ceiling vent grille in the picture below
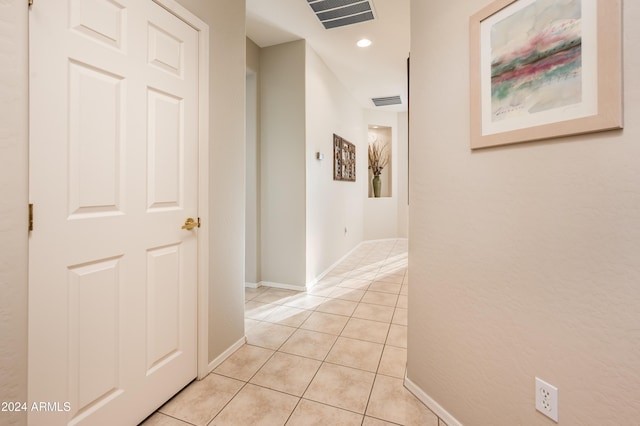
(389, 100)
(338, 13)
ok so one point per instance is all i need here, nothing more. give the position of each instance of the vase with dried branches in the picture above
(378, 160)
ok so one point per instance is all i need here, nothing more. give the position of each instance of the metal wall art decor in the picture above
(543, 69)
(344, 159)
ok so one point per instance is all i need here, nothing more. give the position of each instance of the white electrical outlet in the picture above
(547, 399)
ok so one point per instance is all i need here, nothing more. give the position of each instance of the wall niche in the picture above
(380, 160)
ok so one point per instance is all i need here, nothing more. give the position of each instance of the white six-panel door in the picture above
(113, 177)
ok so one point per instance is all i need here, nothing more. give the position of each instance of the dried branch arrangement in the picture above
(378, 158)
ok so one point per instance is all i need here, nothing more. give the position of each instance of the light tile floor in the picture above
(334, 355)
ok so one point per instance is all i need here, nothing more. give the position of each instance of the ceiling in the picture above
(379, 70)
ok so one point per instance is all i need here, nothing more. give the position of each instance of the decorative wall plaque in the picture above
(344, 159)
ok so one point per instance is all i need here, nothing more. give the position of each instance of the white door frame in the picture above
(203, 177)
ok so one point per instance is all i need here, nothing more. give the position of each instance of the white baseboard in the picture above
(430, 403)
(315, 281)
(380, 240)
(226, 354)
(282, 286)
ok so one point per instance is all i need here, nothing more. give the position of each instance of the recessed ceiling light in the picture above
(365, 42)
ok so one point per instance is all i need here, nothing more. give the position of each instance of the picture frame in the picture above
(542, 69)
(344, 159)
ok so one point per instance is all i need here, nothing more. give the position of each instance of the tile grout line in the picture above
(324, 361)
(170, 416)
(228, 402)
(375, 378)
(319, 367)
(344, 276)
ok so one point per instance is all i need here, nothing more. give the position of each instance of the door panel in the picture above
(94, 324)
(163, 305)
(113, 176)
(95, 141)
(164, 150)
(165, 51)
(102, 20)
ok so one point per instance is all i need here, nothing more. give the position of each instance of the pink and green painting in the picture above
(536, 59)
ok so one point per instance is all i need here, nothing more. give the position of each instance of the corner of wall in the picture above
(282, 159)
(228, 63)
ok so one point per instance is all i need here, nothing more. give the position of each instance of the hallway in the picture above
(335, 355)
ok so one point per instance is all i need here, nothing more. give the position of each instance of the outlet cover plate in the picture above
(547, 399)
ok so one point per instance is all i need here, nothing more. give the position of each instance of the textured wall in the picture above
(13, 206)
(524, 260)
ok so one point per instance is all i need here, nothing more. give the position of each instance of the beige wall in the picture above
(524, 260)
(13, 206)
(253, 268)
(253, 56)
(226, 168)
(282, 139)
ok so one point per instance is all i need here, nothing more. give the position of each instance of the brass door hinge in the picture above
(30, 217)
(30, 2)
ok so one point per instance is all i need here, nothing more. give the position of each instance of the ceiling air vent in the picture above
(338, 13)
(389, 100)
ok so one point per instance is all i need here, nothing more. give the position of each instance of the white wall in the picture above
(332, 205)
(282, 139)
(524, 259)
(13, 206)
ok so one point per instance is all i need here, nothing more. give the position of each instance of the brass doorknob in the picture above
(191, 223)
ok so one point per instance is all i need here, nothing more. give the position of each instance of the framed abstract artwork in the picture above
(344, 159)
(544, 68)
